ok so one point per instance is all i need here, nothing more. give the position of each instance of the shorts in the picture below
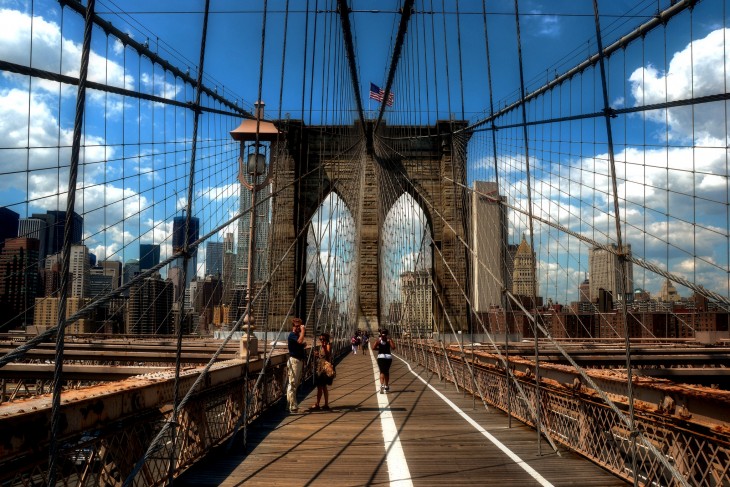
(384, 365)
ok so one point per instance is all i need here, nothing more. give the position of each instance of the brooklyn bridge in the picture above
(532, 198)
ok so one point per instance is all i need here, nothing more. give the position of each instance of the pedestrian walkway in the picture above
(421, 433)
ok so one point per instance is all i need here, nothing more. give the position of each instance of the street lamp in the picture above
(257, 131)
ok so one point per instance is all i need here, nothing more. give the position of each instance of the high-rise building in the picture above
(79, 269)
(668, 293)
(149, 256)
(19, 281)
(112, 268)
(416, 298)
(99, 282)
(178, 243)
(524, 281)
(229, 268)
(130, 270)
(149, 310)
(584, 291)
(207, 296)
(46, 314)
(214, 259)
(261, 242)
(489, 242)
(8, 224)
(54, 224)
(35, 228)
(605, 273)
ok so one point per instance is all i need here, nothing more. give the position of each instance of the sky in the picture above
(136, 153)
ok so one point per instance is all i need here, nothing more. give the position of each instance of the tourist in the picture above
(295, 364)
(384, 345)
(325, 371)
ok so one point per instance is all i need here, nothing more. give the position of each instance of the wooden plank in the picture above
(345, 446)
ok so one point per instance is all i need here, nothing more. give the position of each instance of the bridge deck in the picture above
(346, 446)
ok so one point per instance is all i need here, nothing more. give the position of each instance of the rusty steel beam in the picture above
(122, 356)
(703, 406)
(75, 372)
(24, 425)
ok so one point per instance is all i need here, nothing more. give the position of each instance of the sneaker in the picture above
(387, 388)
(382, 389)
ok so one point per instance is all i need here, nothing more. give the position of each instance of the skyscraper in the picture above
(18, 281)
(416, 298)
(35, 228)
(55, 222)
(261, 237)
(112, 268)
(149, 309)
(489, 241)
(8, 224)
(178, 243)
(605, 273)
(214, 259)
(149, 256)
(79, 268)
(229, 268)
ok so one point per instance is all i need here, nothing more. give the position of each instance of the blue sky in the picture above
(134, 182)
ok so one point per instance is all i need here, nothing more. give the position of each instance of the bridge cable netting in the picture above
(509, 206)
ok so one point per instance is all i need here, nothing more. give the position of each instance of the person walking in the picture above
(325, 371)
(295, 364)
(365, 342)
(384, 345)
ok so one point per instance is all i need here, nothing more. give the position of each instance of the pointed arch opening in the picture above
(331, 272)
(406, 264)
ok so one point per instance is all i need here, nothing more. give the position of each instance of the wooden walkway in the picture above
(346, 447)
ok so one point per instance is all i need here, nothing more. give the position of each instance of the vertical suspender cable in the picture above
(530, 223)
(620, 285)
(503, 251)
(186, 243)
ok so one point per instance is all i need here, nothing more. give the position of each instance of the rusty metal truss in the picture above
(108, 428)
(689, 427)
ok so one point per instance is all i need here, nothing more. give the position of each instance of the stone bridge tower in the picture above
(430, 166)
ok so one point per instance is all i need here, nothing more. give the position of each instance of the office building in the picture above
(261, 244)
(214, 259)
(416, 302)
(80, 272)
(149, 309)
(53, 225)
(178, 243)
(489, 244)
(149, 256)
(35, 228)
(229, 268)
(19, 282)
(9, 221)
(605, 273)
(524, 281)
(112, 268)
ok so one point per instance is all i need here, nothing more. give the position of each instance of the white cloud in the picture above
(53, 53)
(695, 71)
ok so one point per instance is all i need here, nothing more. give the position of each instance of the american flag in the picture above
(377, 94)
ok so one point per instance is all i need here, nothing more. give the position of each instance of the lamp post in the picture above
(256, 131)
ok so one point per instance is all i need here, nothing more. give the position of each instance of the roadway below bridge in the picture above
(423, 432)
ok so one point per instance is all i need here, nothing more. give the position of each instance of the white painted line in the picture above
(533, 473)
(398, 471)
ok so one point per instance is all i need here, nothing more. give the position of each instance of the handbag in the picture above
(327, 369)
